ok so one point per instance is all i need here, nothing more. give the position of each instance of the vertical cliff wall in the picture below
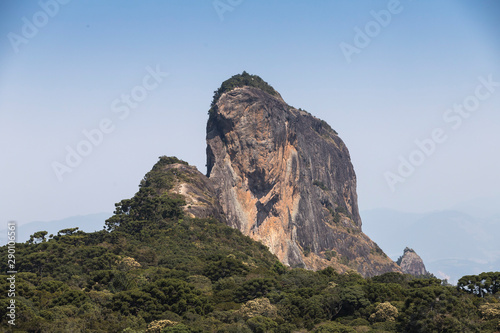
(285, 178)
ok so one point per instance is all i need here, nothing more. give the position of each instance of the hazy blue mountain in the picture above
(387, 227)
(451, 243)
(87, 223)
(480, 207)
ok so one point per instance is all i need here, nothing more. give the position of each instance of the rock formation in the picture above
(411, 263)
(285, 178)
(197, 190)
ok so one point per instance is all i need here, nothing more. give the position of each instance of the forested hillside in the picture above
(157, 270)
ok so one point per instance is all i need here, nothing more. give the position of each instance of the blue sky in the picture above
(63, 77)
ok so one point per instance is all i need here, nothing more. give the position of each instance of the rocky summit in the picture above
(411, 263)
(285, 178)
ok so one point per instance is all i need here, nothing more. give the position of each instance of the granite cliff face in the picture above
(411, 263)
(285, 178)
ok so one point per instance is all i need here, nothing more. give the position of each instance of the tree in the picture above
(490, 310)
(384, 312)
(480, 285)
(241, 80)
(437, 308)
(334, 327)
(260, 324)
(68, 231)
(254, 288)
(224, 268)
(352, 298)
(258, 307)
(38, 237)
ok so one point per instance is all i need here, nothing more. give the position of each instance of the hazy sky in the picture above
(382, 73)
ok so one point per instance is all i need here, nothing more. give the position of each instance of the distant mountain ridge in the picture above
(484, 207)
(451, 243)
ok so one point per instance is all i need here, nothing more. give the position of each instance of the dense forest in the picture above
(156, 270)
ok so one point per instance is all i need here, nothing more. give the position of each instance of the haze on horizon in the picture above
(414, 94)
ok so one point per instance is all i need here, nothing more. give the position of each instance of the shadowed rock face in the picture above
(285, 178)
(411, 263)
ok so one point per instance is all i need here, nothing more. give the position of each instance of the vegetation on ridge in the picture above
(155, 270)
(241, 80)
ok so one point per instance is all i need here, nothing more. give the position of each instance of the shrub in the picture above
(260, 324)
(333, 327)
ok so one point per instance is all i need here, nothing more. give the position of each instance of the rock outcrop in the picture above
(285, 178)
(174, 178)
(411, 263)
(197, 190)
